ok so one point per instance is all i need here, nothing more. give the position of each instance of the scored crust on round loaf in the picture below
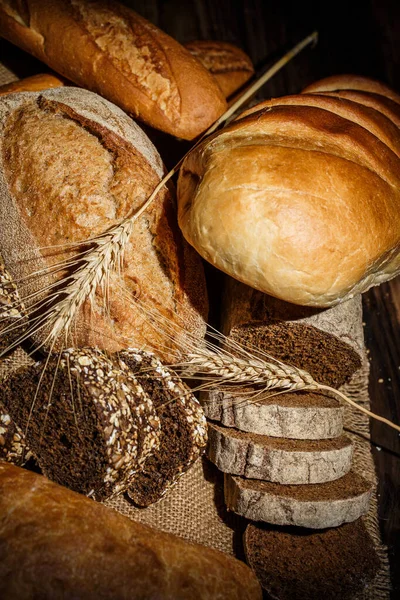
(89, 424)
(13, 446)
(277, 459)
(299, 415)
(183, 427)
(333, 564)
(315, 506)
(93, 168)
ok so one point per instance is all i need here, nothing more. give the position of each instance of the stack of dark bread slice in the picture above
(286, 459)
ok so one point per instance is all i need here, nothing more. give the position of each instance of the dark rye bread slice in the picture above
(327, 343)
(183, 427)
(316, 506)
(13, 446)
(294, 564)
(277, 459)
(297, 415)
(89, 424)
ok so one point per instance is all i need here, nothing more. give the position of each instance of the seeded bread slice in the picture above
(315, 506)
(89, 424)
(183, 427)
(12, 311)
(298, 415)
(278, 459)
(332, 564)
(13, 446)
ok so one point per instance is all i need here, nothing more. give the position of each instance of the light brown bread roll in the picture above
(36, 83)
(106, 47)
(300, 196)
(57, 544)
(72, 167)
(229, 65)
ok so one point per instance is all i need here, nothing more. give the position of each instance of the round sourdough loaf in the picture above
(72, 166)
(300, 196)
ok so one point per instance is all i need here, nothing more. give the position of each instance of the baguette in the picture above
(229, 65)
(300, 196)
(109, 49)
(77, 548)
(73, 166)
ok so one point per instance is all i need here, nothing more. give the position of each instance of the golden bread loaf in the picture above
(300, 196)
(57, 544)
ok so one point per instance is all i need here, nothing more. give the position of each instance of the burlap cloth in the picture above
(194, 508)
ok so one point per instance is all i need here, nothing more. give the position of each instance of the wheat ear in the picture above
(233, 370)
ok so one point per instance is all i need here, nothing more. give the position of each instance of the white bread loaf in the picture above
(72, 165)
(300, 196)
(106, 47)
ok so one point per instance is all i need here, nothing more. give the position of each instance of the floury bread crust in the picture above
(278, 459)
(72, 166)
(106, 47)
(300, 196)
(77, 548)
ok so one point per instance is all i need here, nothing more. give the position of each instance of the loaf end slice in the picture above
(277, 459)
(293, 563)
(315, 506)
(300, 415)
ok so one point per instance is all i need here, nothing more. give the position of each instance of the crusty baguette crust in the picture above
(229, 65)
(300, 198)
(36, 83)
(94, 167)
(77, 548)
(130, 61)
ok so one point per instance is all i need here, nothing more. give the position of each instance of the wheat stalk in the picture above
(233, 370)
